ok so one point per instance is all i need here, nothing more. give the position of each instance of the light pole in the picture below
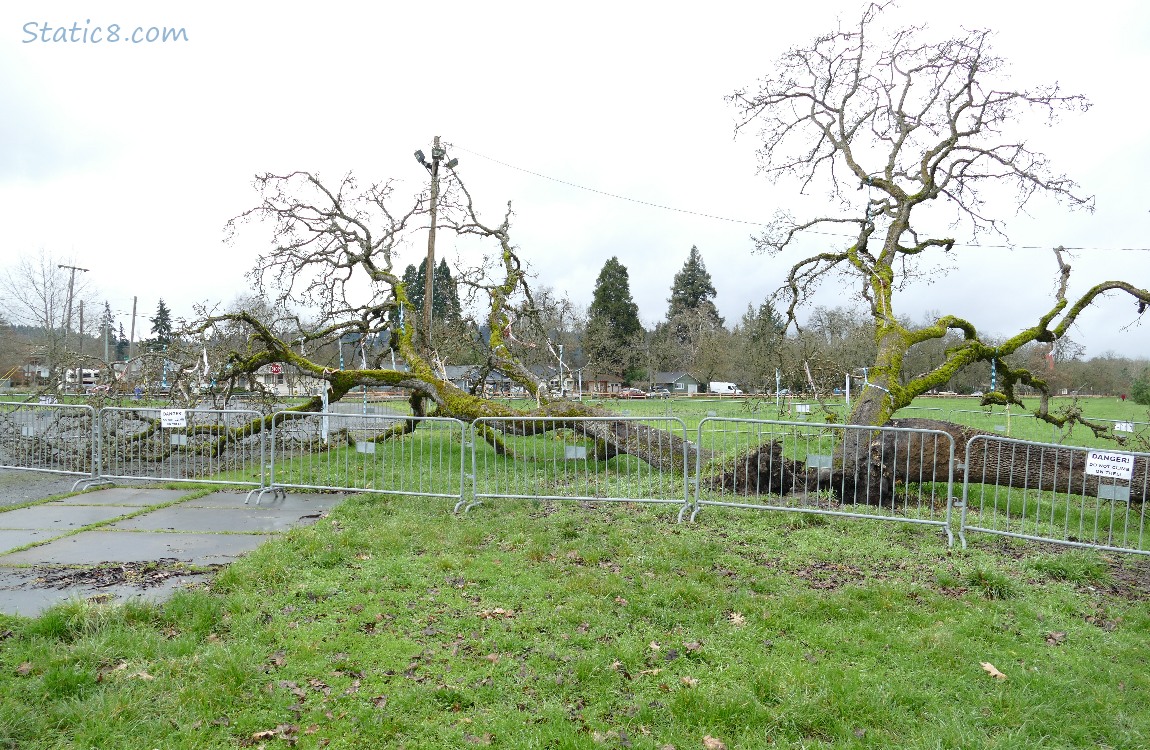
(437, 155)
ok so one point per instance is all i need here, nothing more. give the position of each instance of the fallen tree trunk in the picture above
(869, 472)
(1009, 464)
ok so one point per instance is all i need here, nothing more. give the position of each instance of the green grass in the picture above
(536, 625)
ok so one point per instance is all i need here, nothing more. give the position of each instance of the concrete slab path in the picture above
(121, 542)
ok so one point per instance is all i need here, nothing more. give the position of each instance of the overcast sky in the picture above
(129, 158)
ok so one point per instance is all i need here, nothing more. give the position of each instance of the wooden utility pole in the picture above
(437, 153)
(68, 314)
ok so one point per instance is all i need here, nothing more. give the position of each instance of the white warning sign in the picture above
(1109, 464)
(173, 418)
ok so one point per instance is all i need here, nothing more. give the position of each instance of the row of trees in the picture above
(42, 304)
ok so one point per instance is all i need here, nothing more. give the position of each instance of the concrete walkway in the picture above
(143, 546)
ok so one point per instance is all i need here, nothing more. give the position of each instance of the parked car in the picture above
(632, 393)
(659, 393)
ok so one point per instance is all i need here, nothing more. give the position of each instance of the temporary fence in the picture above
(1036, 491)
(1054, 493)
(593, 459)
(887, 473)
(390, 453)
(212, 446)
(47, 437)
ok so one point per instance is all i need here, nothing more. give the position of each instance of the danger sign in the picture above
(173, 418)
(275, 369)
(1109, 464)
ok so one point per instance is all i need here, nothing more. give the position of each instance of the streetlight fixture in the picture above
(437, 155)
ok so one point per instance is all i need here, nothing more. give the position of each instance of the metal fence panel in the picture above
(1047, 492)
(389, 453)
(53, 438)
(214, 446)
(894, 474)
(617, 459)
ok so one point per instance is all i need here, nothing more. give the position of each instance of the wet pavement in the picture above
(121, 542)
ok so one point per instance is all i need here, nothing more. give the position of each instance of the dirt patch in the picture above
(831, 576)
(1131, 579)
(141, 575)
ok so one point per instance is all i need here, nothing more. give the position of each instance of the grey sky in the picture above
(129, 158)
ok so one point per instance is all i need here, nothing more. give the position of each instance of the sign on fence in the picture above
(173, 418)
(1108, 464)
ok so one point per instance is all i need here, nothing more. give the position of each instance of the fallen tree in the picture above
(331, 276)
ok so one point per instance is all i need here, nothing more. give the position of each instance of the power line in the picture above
(610, 195)
(759, 223)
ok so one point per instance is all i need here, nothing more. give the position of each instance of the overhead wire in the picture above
(728, 219)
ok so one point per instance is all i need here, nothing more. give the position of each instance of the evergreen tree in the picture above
(445, 306)
(692, 287)
(162, 326)
(121, 345)
(692, 302)
(107, 329)
(613, 327)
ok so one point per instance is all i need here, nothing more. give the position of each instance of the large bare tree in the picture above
(910, 136)
(330, 275)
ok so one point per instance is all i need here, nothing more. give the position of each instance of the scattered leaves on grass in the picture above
(621, 601)
(650, 671)
(496, 614)
(653, 645)
(278, 659)
(24, 669)
(737, 619)
(1056, 638)
(493, 658)
(713, 743)
(5, 634)
(288, 732)
(379, 701)
(689, 681)
(294, 689)
(142, 675)
(992, 670)
(618, 667)
(693, 647)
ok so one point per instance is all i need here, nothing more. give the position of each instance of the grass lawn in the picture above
(393, 624)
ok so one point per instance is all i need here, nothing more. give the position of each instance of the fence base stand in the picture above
(688, 507)
(277, 493)
(88, 483)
